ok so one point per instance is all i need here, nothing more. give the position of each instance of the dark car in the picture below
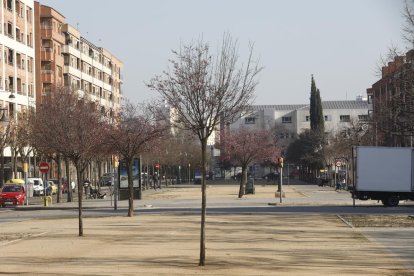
(271, 176)
(239, 176)
(106, 179)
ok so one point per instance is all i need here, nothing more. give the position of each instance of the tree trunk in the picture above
(130, 163)
(99, 163)
(59, 191)
(80, 189)
(13, 163)
(2, 168)
(70, 195)
(203, 204)
(243, 181)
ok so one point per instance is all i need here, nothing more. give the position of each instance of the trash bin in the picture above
(250, 187)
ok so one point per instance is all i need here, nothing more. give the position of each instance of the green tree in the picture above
(315, 110)
(320, 122)
(312, 108)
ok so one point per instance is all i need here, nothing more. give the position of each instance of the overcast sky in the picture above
(339, 42)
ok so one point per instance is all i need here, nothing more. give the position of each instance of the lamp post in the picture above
(189, 170)
(115, 164)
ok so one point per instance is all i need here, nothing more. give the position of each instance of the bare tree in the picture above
(244, 146)
(392, 52)
(202, 90)
(73, 127)
(132, 134)
(408, 27)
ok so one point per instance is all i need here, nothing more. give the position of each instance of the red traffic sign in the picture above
(157, 166)
(43, 167)
(338, 163)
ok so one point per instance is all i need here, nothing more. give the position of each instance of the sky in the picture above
(339, 42)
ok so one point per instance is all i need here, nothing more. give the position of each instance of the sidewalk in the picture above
(168, 244)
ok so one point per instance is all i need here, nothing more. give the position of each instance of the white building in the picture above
(17, 70)
(17, 56)
(92, 70)
(290, 120)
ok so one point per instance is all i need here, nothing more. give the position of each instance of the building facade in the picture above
(49, 41)
(392, 102)
(17, 57)
(65, 58)
(290, 120)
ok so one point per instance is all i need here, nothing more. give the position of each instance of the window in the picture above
(29, 15)
(249, 120)
(344, 118)
(10, 56)
(287, 120)
(327, 118)
(9, 29)
(307, 118)
(363, 117)
(18, 34)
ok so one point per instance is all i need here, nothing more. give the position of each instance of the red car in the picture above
(12, 194)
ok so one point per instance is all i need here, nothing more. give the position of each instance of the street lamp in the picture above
(189, 166)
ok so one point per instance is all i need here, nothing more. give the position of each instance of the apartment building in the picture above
(17, 70)
(65, 58)
(49, 41)
(290, 120)
(391, 102)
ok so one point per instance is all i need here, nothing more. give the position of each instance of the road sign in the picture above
(43, 167)
(157, 166)
(338, 163)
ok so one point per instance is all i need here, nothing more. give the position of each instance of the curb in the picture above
(35, 208)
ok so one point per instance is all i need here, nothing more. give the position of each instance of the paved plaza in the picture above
(267, 240)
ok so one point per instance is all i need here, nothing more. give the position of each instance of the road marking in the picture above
(29, 236)
(345, 221)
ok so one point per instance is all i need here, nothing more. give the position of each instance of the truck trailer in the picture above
(383, 173)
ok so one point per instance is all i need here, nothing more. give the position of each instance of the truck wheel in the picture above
(392, 201)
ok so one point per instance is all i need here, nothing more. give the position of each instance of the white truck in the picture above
(383, 173)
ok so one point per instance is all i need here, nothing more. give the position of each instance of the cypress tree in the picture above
(320, 122)
(317, 122)
(312, 108)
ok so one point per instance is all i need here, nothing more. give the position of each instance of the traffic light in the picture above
(280, 162)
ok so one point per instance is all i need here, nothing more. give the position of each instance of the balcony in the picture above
(46, 54)
(47, 76)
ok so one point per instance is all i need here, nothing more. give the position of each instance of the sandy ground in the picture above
(168, 244)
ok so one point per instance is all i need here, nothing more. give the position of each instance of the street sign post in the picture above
(338, 163)
(43, 167)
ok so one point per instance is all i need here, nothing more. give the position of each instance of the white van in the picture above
(38, 187)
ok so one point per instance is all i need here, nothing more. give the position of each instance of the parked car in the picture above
(271, 176)
(15, 181)
(51, 187)
(323, 179)
(12, 194)
(239, 176)
(57, 183)
(106, 179)
(38, 187)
